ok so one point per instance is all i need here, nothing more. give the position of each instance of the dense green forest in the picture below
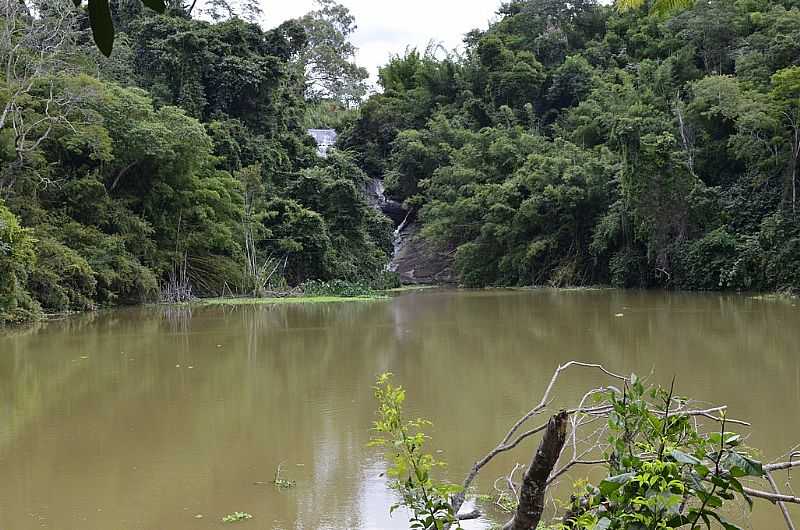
(568, 144)
(178, 166)
(575, 144)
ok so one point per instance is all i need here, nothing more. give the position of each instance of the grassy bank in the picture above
(288, 300)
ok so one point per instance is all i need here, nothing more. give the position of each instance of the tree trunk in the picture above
(534, 484)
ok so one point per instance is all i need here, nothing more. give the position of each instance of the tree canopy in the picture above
(581, 143)
(181, 159)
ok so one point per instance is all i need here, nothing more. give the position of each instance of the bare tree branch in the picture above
(534, 485)
(781, 504)
(506, 444)
(772, 497)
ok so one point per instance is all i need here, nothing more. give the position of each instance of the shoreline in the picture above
(380, 295)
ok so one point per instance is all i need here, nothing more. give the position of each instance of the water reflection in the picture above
(145, 418)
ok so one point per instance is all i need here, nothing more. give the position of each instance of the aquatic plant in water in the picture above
(235, 517)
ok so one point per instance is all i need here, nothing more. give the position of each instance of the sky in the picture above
(386, 27)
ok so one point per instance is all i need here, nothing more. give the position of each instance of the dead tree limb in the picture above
(534, 484)
(509, 442)
(771, 497)
(782, 505)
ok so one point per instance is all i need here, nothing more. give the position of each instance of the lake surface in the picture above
(146, 418)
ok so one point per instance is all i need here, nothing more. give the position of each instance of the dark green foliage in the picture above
(62, 279)
(198, 173)
(324, 227)
(336, 288)
(576, 144)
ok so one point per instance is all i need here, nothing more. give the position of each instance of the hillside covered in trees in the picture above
(576, 143)
(181, 162)
(567, 144)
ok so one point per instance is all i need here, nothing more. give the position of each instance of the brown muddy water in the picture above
(146, 419)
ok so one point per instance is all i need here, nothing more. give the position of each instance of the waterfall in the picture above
(400, 236)
(376, 197)
(413, 259)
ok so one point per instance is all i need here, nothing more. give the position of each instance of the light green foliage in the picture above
(663, 468)
(328, 114)
(336, 288)
(786, 86)
(16, 257)
(660, 7)
(523, 225)
(663, 471)
(280, 482)
(290, 300)
(236, 517)
(411, 469)
(415, 84)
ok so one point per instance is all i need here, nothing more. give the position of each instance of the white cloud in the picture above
(386, 28)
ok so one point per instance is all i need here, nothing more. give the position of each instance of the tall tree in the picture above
(786, 93)
(329, 57)
(36, 51)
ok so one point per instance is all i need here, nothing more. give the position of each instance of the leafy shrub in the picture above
(705, 261)
(386, 280)
(336, 288)
(61, 280)
(663, 468)
(410, 467)
(120, 276)
(16, 257)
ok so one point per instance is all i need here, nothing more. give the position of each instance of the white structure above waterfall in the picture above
(325, 138)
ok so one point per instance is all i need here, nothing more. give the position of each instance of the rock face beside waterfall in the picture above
(414, 260)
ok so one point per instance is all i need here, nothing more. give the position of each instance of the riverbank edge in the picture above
(281, 300)
(381, 295)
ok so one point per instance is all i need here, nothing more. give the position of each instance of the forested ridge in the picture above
(567, 144)
(576, 144)
(178, 167)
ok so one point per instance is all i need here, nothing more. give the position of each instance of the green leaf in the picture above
(733, 439)
(603, 524)
(714, 502)
(678, 520)
(102, 25)
(727, 525)
(737, 486)
(697, 482)
(156, 5)
(683, 458)
(741, 466)
(612, 484)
